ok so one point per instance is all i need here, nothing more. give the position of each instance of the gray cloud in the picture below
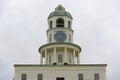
(23, 25)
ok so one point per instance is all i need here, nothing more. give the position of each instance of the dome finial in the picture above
(59, 5)
(60, 8)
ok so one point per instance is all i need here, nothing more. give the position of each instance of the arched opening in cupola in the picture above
(50, 24)
(60, 22)
(68, 24)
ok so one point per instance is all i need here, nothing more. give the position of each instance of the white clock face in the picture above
(60, 36)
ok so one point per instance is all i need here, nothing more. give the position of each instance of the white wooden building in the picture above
(60, 57)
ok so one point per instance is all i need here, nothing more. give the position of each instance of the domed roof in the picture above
(60, 11)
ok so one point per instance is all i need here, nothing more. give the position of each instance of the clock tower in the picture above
(60, 48)
(60, 57)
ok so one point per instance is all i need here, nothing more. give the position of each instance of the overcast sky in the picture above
(23, 25)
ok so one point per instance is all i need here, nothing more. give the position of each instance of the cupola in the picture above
(60, 48)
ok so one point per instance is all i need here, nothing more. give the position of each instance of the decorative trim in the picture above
(59, 43)
(61, 65)
(59, 29)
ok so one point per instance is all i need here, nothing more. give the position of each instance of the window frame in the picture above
(60, 78)
(69, 24)
(50, 37)
(50, 61)
(51, 24)
(60, 22)
(80, 76)
(23, 76)
(40, 77)
(96, 76)
(60, 58)
(70, 38)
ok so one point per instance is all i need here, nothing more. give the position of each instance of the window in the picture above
(50, 37)
(96, 76)
(60, 78)
(68, 24)
(59, 22)
(50, 24)
(40, 76)
(80, 76)
(59, 58)
(50, 59)
(70, 59)
(70, 37)
(24, 77)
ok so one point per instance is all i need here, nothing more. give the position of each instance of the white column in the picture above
(78, 59)
(74, 56)
(65, 55)
(41, 59)
(45, 56)
(54, 55)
